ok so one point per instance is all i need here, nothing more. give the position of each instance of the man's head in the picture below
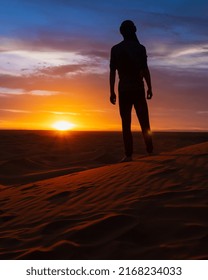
(127, 28)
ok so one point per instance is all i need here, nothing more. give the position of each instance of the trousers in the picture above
(128, 99)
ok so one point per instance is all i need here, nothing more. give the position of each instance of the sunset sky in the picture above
(54, 62)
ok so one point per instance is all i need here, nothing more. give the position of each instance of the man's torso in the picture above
(129, 59)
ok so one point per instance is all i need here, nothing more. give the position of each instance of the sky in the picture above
(54, 62)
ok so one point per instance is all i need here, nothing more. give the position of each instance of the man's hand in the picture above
(149, 94)
(113, 98)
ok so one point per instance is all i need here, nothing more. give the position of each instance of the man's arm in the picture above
(147, 77)
(146, 73)
(112, 86)
(112, 76)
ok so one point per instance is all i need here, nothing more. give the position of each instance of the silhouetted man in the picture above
(130, 60)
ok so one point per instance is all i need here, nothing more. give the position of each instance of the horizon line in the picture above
(98, 130)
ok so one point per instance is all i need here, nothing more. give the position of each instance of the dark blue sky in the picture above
(59, 50)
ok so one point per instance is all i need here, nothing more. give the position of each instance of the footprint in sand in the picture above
(60, 197)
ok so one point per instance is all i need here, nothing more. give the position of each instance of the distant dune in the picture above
(152, 208)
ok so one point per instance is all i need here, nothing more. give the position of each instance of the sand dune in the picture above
(152, 208)
(29, 156)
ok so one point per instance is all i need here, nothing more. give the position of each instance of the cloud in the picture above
(202, 112)
(55, 62)
(62, 70)
(74, 69)
(190, 57)
(7, 91)
(16, 111)
(61, 113)
(11, 91)
(43, 92)
(18, 61)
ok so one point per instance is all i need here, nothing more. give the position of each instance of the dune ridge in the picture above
(152, 208)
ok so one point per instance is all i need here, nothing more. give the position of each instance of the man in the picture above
(130, 60)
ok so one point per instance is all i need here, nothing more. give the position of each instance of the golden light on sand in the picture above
(63, 125)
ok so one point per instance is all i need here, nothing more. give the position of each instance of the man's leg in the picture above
(125, 107)
(143, 117)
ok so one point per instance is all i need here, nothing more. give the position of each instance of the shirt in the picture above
(129, 58)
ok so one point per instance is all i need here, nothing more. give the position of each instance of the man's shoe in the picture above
(126, 159)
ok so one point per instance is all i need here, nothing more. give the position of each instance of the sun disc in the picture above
(63, 125)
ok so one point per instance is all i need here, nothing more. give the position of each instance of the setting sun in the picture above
(63, 125)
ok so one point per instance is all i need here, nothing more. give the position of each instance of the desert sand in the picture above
(155, 207)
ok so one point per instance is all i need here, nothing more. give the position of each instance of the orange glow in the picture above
(63, 125)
